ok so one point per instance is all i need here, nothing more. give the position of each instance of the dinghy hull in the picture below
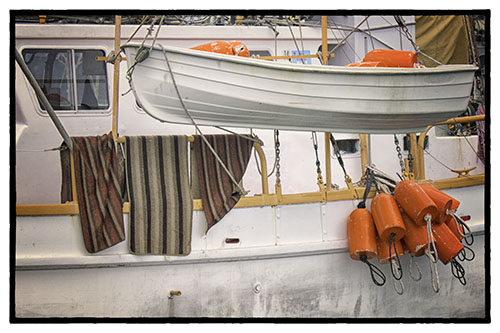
(231, 91)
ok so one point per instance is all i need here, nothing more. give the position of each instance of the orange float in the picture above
(361, 234)
(443, 202)
(367, 64)
(232, 48)
(447, 245)
(392, 58)
(361, 237)
(384, 256)
(415, 202)
(415, 237)
(387, 217)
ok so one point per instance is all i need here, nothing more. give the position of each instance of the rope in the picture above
(413, 262)
(295, 41)
(240, 189)
(395, 282)
(401, 23)
(458, 271)
(462, 255)
(461, 225)
(432, 254)
(375, 272)
(395, 264)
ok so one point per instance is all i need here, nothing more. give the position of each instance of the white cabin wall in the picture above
(38, 172)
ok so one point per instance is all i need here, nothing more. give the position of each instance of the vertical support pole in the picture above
(116, 76)
(328, 162)
(414, 152)
(73, 177)
(420, 174)
(263, 167)
(364, 147)
(324, 52)
(324, 40)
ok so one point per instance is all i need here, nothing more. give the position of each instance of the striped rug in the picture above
(98, 191)
(161, 207)
(218, 193)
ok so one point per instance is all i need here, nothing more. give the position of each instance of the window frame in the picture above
(76, 111)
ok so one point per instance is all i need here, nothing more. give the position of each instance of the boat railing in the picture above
(325, 194)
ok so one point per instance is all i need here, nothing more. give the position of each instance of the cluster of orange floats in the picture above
(415, 218)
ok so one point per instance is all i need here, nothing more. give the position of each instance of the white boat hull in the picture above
(233, 91)
(291, 261)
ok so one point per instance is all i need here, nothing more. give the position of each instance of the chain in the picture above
(318, 165)
(400, 156)
(277, 153)
(406, 32)
(410, 157)
(404, 28)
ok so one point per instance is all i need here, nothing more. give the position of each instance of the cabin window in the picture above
(348, 146)
(71, 79)
(259, 53)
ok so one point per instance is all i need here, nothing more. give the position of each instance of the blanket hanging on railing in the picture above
(98, 191)
(161, 206)
(218, 193)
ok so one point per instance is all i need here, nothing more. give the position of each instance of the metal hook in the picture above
(413, 262)
(374, 271)
(397, 265)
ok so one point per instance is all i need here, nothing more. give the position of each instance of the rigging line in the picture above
(295, 41)
(340, 27)
(253, 137)
(345, 40)
(241, 190)
(301, 37)
(335, 36)
(138, 28)
(370, 34)
(461, 136)
(447, 167)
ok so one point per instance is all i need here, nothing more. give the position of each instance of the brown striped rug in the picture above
(218, 193)
(161, 206)
(98, 191)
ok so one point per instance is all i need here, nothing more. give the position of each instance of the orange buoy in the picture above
(392, 58)
(383, 251)
(387, 217)
(415, 237)
(367, 64)
(361, 234)
(443, 202)
(233, 48)
(415, 202)
(447, 245)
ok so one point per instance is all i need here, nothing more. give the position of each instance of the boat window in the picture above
(71, 79)
(259, 53)
(406, 142)
(348, 146)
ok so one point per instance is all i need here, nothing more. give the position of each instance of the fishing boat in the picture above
(224, 90)
(282, 251)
